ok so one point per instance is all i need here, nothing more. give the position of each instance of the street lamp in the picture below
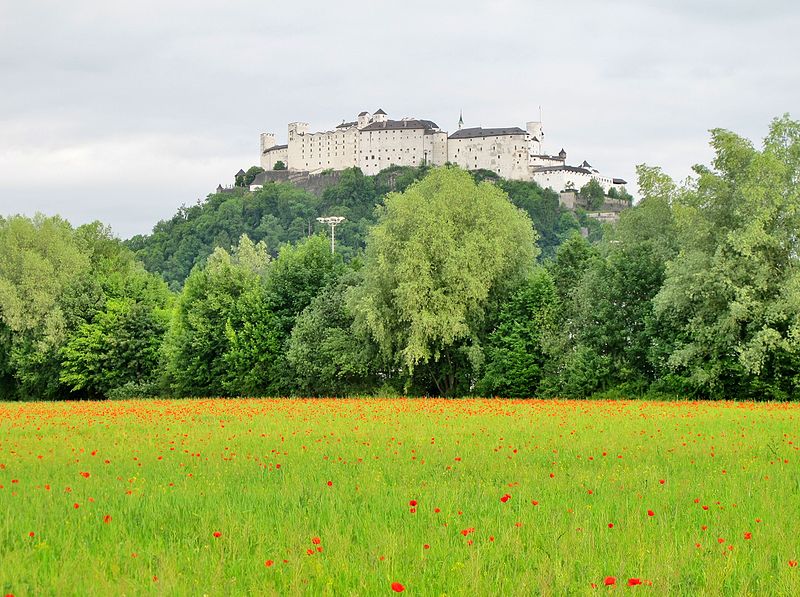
(332, 221)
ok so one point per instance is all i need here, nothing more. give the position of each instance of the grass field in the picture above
(349, 497)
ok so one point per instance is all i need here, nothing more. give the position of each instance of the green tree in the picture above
(515, 354)
(729, 308)
(279, 165)
(592, 193)
(441, 252)
(207, 317)
(326, 358)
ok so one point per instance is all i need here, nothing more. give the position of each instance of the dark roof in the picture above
(346, 125)
(618, 181)
(276, 147)
(380, 111)
(586, 164)
(240, 172)
(566, 168)
(481, 132)
(364, 113)
(411, 123)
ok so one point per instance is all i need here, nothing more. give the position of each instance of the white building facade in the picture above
(374, 142)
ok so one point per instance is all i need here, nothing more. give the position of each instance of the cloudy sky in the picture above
(123, 111)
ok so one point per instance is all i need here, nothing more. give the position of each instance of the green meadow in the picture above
(374, 496)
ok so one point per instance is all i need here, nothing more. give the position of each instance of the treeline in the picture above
(282, 213)
(695, 293)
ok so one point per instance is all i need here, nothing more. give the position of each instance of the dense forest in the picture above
(444, 282)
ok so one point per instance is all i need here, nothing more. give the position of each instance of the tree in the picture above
(279, 165)
(208, 315)
(515, 354)
(441, 253)
(326, 358)
(729, 308)
(592, 193)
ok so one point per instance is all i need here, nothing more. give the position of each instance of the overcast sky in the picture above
(123, 111)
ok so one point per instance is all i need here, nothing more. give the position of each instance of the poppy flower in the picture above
(610, 581)
(632, 582)
(217, 534)
(748, 535)
(792, 563)
(397, 587)
(107, 518)
(610, 525)
(330, 483)
(268, 563)
(31, 534)
(505, 498)
(412, 503)
(85, 475)
(316, 540)
(651, 513)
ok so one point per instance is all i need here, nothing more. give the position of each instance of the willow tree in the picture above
(442, 254)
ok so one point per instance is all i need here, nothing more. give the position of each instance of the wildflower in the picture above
(634, 581)
(610, 581)
(107, 518)
(397, 587)
(651, 513)
(316, 540)
(748, 535)
(268, 563)
(217, 534)
(412, 503)
(505, 498)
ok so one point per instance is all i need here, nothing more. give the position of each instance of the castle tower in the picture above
(363, 119)
(379, 116)
(536, 138)
(267, 141)
(460, 119)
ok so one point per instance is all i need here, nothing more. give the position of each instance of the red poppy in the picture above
(268, 563)
(397, 587)
(85, 475)
(217, 534)
(634, 581)
(651, 513)
(610, 525)
(505, 498)
(107, 518)
(76, 505)
(316, 540)
(330, 483)
(748, 535)
(662, 481)
(412, 503)
(426, 546)
(31, 534)
(792, 563)
(610, 581)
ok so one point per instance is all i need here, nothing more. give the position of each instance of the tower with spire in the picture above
(460, 119)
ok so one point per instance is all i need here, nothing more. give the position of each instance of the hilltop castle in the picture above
(374, 142)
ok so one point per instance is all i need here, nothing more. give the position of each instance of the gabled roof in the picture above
(364, 113)
(346, 125)
(380, 111)
(618, 181)
(481, 132)
(411, 123)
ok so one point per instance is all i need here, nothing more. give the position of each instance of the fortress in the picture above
(374, 142)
